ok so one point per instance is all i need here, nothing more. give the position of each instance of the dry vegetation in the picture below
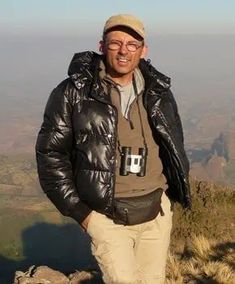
(203, 247)
(203, 261)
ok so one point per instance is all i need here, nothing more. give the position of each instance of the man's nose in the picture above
(123, 49)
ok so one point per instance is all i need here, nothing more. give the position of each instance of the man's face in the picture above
(123, 52)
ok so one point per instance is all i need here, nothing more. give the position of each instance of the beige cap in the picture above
(126, 21)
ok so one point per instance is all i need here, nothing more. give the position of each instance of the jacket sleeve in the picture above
(176, 126)
(179, 133)
(53, 153)
(177, 118)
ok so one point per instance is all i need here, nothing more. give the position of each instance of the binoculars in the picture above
(135, 164)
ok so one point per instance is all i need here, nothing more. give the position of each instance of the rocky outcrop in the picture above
(213, 170)
(46, 275)
(217, 163)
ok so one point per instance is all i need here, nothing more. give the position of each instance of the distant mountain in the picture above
(216, 163)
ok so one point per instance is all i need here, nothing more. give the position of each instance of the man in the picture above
(110, 154)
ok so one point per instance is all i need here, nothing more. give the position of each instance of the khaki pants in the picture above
(131, 254)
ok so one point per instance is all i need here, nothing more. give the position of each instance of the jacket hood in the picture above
(83, 62)
(151, 74)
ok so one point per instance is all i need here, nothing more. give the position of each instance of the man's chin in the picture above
(122, 71)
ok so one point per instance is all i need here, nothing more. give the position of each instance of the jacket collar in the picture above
(153, 76)
(85, 69)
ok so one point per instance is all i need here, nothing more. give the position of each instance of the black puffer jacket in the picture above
(76, 144)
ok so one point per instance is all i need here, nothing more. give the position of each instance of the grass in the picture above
(212, 214)
(202, 245)
(202, 261)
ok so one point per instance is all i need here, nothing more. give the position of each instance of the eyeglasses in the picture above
(130, 46)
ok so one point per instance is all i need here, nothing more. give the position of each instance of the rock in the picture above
(78, 276)
(46, 275)
(54, 276)
(30, 280)
(40, 275)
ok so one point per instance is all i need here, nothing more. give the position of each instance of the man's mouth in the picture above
(122, 59)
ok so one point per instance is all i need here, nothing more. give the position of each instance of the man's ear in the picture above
(102, 47)
(144, 51)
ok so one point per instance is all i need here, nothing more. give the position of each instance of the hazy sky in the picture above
(62, 17)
